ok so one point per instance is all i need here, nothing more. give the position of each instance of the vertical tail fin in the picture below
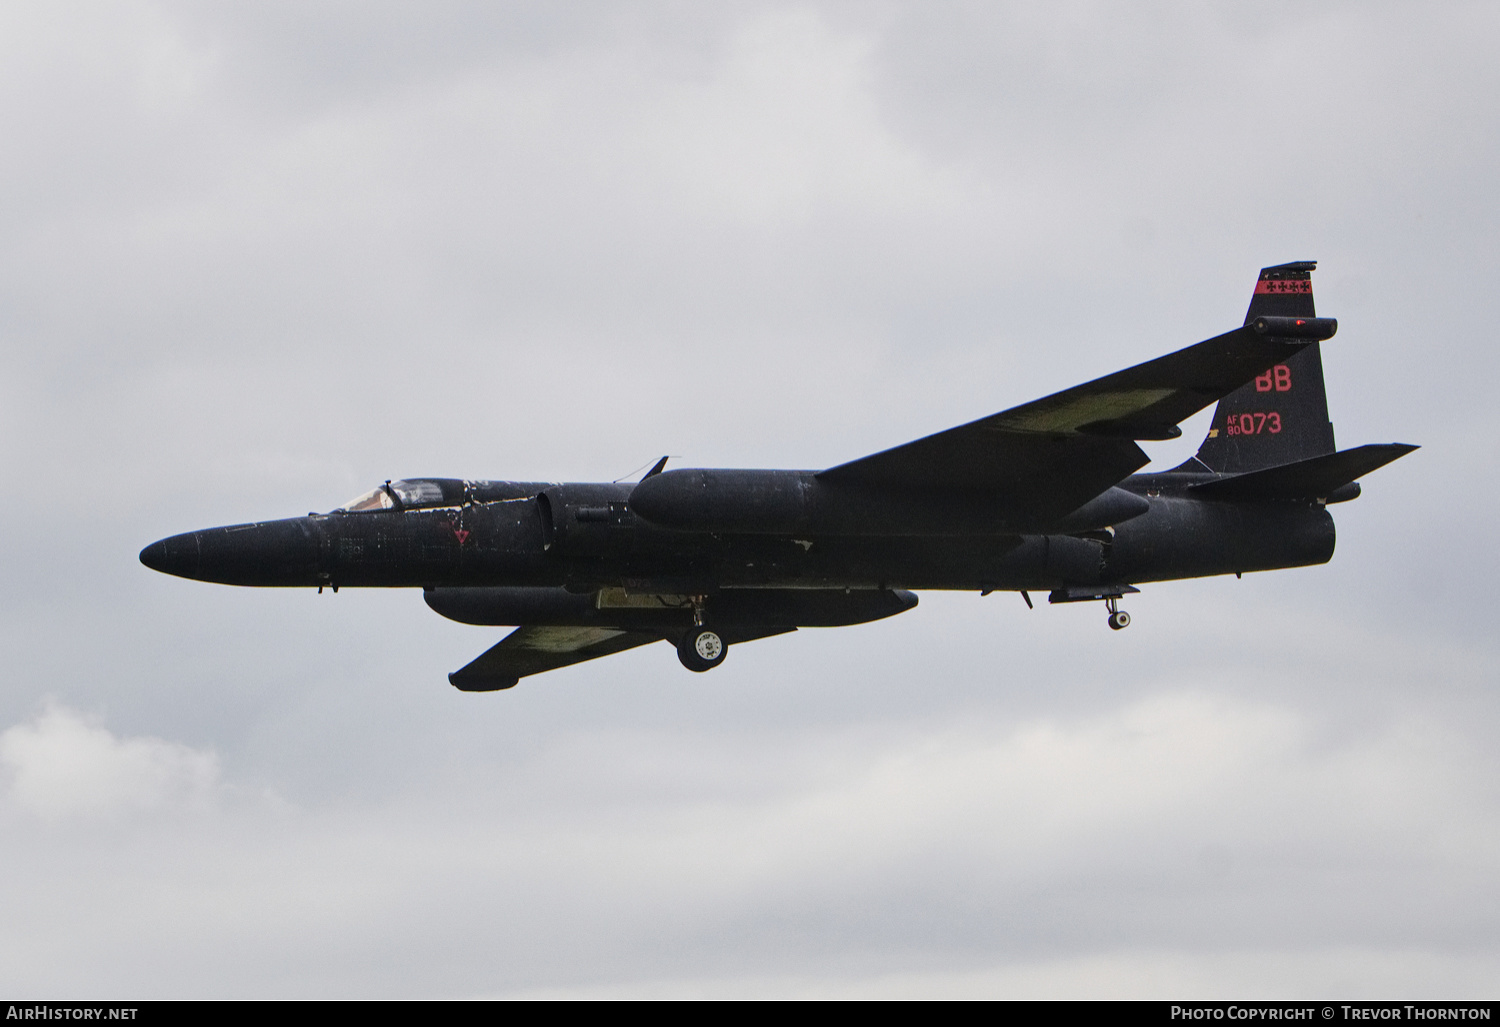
(1282, 416)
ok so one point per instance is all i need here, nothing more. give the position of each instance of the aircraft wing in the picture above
(1049, 457)
(532, 649)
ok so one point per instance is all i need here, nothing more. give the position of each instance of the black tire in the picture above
(1119, 620)
(702, 649)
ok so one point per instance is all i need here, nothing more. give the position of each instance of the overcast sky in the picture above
(257, 258)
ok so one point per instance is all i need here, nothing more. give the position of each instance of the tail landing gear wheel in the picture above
(1119, 619)
(701, 649)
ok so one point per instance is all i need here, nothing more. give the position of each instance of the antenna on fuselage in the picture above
(656, 469)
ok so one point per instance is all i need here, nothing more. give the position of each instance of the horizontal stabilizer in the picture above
(1314, 478)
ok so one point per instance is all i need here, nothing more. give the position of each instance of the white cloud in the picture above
(1183, 845)
(60, 766)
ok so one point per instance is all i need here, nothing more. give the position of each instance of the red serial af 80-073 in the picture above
(1040, 497)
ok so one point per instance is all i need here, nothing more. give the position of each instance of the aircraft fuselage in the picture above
(585, 537)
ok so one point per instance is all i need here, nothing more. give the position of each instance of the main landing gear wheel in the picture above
(1118, 618)
(701, 649)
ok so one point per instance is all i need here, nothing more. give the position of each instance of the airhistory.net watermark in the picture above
(45, 1011)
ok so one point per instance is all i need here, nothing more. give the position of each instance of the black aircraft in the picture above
(1040, 497)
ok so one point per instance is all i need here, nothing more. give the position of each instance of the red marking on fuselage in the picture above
(1283, 285)
(462, 534)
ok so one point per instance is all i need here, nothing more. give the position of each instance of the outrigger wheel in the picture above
(701, 649)
(1118, 618)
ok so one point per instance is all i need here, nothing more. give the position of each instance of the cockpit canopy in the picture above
(408, 494)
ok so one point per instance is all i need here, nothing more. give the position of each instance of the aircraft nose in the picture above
(269, 553)
(176, 555)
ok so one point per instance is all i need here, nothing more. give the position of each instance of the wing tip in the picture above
(480, 683)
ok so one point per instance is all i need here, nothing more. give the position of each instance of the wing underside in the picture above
(534, 649)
